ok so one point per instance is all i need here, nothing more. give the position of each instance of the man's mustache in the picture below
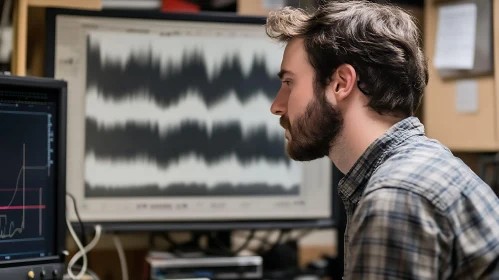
(284, 122)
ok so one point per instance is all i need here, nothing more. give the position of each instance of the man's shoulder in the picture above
(427, 185)
(429, 169)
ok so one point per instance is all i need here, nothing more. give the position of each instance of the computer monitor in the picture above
(32, 177)
(170, 124)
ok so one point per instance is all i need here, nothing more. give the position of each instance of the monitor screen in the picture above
(29, 171)
(169, 121)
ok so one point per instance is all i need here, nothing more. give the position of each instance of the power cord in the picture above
(246, 243)
(83, 250)
(121, 255)
(82, 227)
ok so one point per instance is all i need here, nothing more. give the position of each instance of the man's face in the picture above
(312, 124)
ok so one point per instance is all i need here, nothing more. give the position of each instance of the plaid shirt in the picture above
(414, 211)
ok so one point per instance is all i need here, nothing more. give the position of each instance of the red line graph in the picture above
(20, 207)
(8, 227)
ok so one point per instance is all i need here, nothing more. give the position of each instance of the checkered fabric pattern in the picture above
(415, 211)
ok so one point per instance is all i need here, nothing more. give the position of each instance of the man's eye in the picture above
(286, 82)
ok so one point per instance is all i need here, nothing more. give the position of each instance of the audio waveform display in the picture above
(192, 190)
(184, 116)
(146, 69)
(193, 173)
(140, 110)
(189, 138)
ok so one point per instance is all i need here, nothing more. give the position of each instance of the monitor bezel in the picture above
(59, 88)
(194, 225)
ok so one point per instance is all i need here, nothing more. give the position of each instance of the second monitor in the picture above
(170, 122)
(32, 177)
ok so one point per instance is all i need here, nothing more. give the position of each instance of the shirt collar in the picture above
(353, 183)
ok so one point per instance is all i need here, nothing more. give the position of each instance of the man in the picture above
(353, 75)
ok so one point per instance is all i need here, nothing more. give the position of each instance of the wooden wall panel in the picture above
(459, 131)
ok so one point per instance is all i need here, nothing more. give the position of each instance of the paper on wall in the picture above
(456, 36)
(467, 96)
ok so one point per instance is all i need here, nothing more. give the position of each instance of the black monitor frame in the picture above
(58, 88)
(51, 15)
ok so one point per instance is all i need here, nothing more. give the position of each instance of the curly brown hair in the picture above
(380, 41)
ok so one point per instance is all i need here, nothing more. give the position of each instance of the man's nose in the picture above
(280, 104)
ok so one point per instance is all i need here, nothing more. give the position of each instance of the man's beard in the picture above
(313, 133)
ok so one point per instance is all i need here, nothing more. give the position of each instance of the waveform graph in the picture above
(121, 65)
(184, 116)
(23, 183)
(162, 80)
(188, 177)
(21, 199)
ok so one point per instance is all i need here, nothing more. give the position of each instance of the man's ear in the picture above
(343, 82)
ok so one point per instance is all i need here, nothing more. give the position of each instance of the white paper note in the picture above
(467, 96)
(456, 35)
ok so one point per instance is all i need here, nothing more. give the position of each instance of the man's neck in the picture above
(358, 133)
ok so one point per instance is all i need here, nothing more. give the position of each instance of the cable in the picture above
(246, 243)
(174, 246)
(279, 239)
(303, 234)
(88, 248)
(264, 241)
(170, 240)
(121, 255)
(80, 246)
(75, 207)
(83, 250)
